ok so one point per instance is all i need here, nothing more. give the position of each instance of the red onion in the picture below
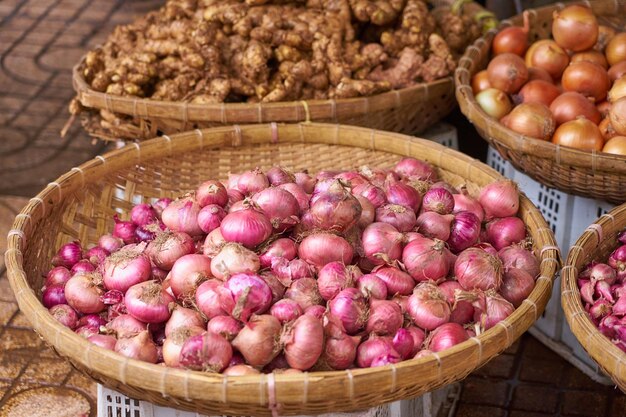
(249, 227)
(339, 348)
(183, 317)
(438, 200)
(239, 370)
(491, 308)
(58, 275)
(619, 308)
(173, 344)
(603, 272)
(382, 243)
(397, 281)
(225, 326)
(65, 315)
(233, 179)
(465, 231)
(53, 294)
(377, 176)
(207, 298)
(336, 209)
(299, 194)
(374, 194)
(402, 301)
(96, 255)
(403, 343)
(245, 294)
(125, 268)
(499, 199)
(213, 243)
(83, 293)
(68, 255)
(233, 259)
(411, 167)
(428, 306)
(288, 271)
(110, 243)
(303, 342)
(125, 326)
(603, 290)
(148, 302)
(210, 217)
(385, 317)
(587, 292)
(258, 340)
(334, 277)
(86, 331)
(92, 320)
(160, 205)
(82, 266)
(617, 261)
(235, 196)
(400, 217)
(463, 202)
(316, 311)
(402, 194)
(182, 216)
(187, 273)
(277, 288)
(305, 292)
(386, 359)
(373, 348)
(351, 178)
(351, 308)
(124, 230)
(475, 268)
(277, 176)
(142, 214)
(418, 336)
(600, 308)
(434, 225)
(321, 187)
(426, 259)
(286, 310)
(206, 352)
(321, 248)
(371, 286)
(446, 336)
(608, 324)
(515, 256)
(280, 206)
(103, 340)
(505, 232)
(280, 248)
(212, 192)
(305, 181)
(140, 347)
(167, 247)
(517, 285)
(368, 212)
(251, 182)
(462, 311)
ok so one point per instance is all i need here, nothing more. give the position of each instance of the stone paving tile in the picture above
(535, 398)
(47, 370)
(7, 310)
(499, 367)
(583, 403)
(544, 371)
(466, 410)
(19, 340)
(474, 392)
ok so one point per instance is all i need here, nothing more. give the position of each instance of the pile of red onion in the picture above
(275, 271)
(603, 293)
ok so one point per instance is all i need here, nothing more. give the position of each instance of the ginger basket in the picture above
(597, 242)
(80, 204)
(409, 110)
(588, 174)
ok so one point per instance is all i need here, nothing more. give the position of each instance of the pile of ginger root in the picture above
(214, 51)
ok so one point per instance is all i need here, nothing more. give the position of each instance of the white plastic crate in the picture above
(439, 403)
(442, 133)
(568, 216)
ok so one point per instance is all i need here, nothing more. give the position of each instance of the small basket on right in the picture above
(596, 243)
(588, 174)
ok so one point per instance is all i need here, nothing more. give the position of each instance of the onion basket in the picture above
(80, 205)
(597, 242)
(589, 174)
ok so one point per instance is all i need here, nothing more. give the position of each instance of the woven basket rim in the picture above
(498, 133)
(125, 370)
(610, 358)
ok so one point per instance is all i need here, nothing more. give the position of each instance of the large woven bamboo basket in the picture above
(589, 174)
(596, 243)
(80, 204)
(410, 110)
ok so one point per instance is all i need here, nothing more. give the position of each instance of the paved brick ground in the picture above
(40, 40)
